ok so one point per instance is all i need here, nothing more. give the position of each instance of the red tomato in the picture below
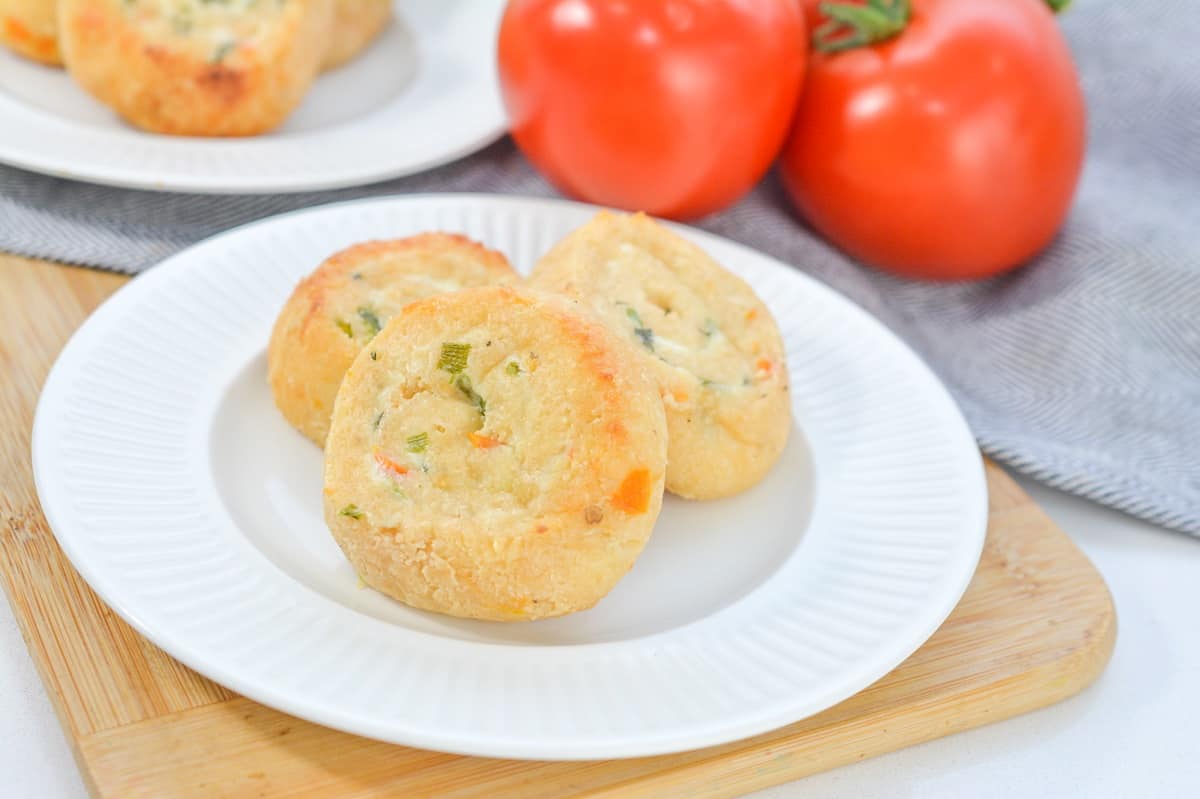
(674, 107)
(950, 151)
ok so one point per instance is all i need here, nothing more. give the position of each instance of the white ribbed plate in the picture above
(425, 93)
(188, 504)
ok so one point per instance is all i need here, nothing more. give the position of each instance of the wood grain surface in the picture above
(1036, 625)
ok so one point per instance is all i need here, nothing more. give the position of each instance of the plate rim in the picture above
(651, 744)
(119, 178)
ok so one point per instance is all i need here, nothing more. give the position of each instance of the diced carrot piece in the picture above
(633, 495)
(389, 466)
(483, 442)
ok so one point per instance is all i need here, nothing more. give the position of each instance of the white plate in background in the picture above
(190, 506)
(425, 93)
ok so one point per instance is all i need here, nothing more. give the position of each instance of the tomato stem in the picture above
(851, 25)
(1058, 5)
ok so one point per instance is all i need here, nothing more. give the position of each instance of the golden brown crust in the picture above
(524, 495)
(322, 326)
(710, 340)
(30, 27)
(166, 76)
(356, 24)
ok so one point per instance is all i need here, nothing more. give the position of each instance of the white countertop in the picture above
(1135, 733)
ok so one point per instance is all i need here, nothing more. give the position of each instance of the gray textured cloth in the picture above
(1081, 370)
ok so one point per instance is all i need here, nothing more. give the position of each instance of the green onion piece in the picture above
(454, 357)
(374, 355)
(370, 320)
(640, 330)
(464, 385)
(513, 368)
(418, 443)
(378, 419)
(344, 326)
(352, 511)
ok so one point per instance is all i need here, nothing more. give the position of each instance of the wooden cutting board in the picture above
(1036, 625)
